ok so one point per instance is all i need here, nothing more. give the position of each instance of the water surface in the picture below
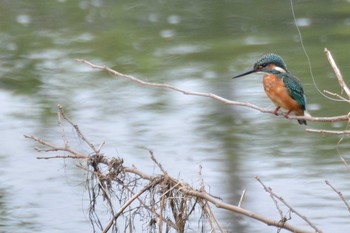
(198, 46)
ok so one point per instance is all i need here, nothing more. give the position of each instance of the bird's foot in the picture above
(276, 111)
(286, 115)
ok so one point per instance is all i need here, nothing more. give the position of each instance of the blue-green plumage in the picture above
(270, 58)
(295, 89)
(283, 88)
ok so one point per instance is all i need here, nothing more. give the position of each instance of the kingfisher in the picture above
(283, 88)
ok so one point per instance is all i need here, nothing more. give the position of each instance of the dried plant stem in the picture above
(126, 204)
(173, 195)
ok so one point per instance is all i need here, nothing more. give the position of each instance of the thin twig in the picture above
(172, 188)
(126, 204)
(339, 194)
(337, 73)
(336, 95)
(63, 134)
(242, 198)
(77, 129)
(156, 162)
(340, 154)
(206, 215)
(53, 147)
(277, 205)
(208, 211)
(269, 190)
(161, 210)
(212, 215)
(64, 157)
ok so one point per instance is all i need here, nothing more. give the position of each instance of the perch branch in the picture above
(209, 95)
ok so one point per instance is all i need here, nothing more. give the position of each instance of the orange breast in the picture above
(278, 93)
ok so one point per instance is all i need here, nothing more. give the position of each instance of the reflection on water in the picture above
(197, 46)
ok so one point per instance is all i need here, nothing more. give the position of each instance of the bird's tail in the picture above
(303, 122)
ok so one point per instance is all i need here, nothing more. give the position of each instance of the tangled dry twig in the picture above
(164, 202)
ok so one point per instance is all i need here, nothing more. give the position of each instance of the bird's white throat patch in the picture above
(279, 69)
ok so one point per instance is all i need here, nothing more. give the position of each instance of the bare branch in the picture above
(220, 204)
(325, 131)
(210, 95)
(337, 73)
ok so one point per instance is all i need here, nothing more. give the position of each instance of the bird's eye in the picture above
(260, 66)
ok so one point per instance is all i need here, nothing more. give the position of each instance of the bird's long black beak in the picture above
(246, 72)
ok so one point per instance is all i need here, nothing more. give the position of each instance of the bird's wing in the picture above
(295, 89)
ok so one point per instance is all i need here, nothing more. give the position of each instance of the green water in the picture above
(196, 45)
